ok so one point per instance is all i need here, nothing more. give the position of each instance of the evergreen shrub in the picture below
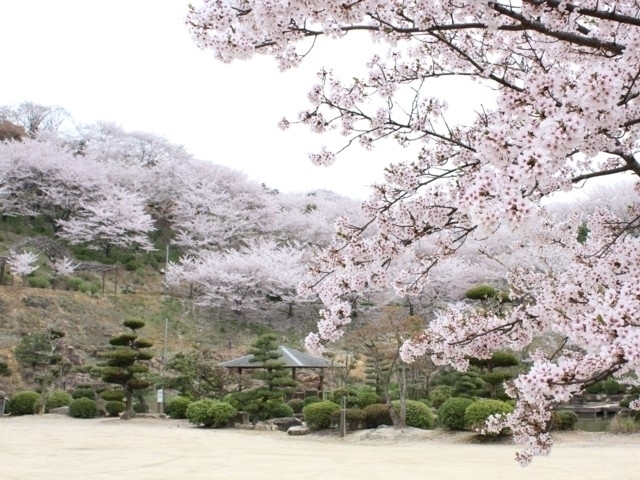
(419, 415)
(564, 420)
(177, 407)
(366, 397)
(439, 395)
(114, 408)
(210, 413)
(310, 400)
(281, 410)
(318, 414)
(478, 412)
(84, 393)
(24, 403)
(354, 417)
(112, 395)
(451, 413)
(38, 282)
(376, 415)
(57, 399)
(83, 407)
(296, 404)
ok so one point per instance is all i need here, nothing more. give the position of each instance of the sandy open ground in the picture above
(55, 447)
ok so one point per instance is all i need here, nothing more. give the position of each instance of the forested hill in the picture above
(99, 225)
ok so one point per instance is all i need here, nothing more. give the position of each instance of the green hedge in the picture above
(478, 412)
(376, 415)
(210, 413)
(354, 417)
(83, 407)
(318, 414)
(114, 408)
(57, 399)
(419, 415)
(177, 407)
(24, 403)
(451, 413)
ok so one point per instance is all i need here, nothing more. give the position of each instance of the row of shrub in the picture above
(81, 402)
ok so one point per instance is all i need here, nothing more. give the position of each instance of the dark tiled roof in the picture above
(292, 358)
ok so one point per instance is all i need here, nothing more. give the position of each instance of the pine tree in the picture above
(265, 399)
(124, 365)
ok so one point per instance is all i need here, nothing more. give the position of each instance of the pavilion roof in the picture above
(292, 358)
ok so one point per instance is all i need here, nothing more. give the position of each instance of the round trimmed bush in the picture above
(114, 408)
(354, 417)
(439, 395)
(376, 415)
(24, 403)
(478, 412)
(57, 399)
(318, 414)
(210, 413)
(564, 420)
(366, 397)
(310, 400)
(452, 412)
(83, 407)
(177, 407)
(281, 410)
(296, 405)
(419, 415)
(84, 393)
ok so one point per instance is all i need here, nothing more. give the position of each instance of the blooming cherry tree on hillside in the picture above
(241, 279)
(22, 264)
(41, 178)
(564, 110)
(116, 220)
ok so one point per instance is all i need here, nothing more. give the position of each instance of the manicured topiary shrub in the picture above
(354, 417)
(310, 400)
(349, 393)
(57, 399)
(210, 413)
(419, 415)
(376, 415)
(114, 408)
(280, 410)
(439, 395)
(318, 414)
(366, 397)
(112, 395)
(177, 407)
(24, 403)
(83, 407)
(564, 420)
(451, 413)
(296, 405)
(478, 412)
(84, 393)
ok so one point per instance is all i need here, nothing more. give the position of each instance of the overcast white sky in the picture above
(132, 62)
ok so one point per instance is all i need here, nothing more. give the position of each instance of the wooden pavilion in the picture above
(293, 359)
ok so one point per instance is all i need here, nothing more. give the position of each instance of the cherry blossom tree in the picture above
(563, 110)
(241, 279)
(40, 178)
(116, 220)
(22, 264)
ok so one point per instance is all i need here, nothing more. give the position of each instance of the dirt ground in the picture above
(53, 447)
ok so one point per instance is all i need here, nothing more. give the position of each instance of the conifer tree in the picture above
(124, 365)
(266, 398)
